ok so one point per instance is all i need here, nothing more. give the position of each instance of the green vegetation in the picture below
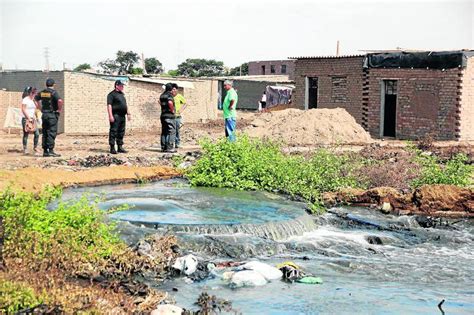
(32, 230)
(82, 67)
(15, 297)
(260, 165)
(250, 164)
(455, 171)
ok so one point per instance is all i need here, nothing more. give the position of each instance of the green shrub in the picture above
(454, 172)
(251, 164)
(15, 297)
(74, 230)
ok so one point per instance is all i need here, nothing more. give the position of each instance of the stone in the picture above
(386, 207)
(167, 309)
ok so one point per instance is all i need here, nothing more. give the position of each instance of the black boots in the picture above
(121, 149)
(50, 153)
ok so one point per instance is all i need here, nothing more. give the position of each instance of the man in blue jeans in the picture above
(229, 107)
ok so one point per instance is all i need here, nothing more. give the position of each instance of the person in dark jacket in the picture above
(51, 105)
(117, 110)
(168, 120)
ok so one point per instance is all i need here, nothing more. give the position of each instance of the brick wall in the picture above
(8, 99)
(467, 102)
(255, 67)
(201, 100)
(426, 102)
(340, 82)
(86, 107)
(17, 81)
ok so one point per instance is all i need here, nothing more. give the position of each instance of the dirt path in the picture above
(34, 179)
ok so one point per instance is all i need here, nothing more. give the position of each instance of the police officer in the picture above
(51, 105)
(117, 110)
(168, 120)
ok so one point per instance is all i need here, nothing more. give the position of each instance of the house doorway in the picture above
(311, 93)
(389, 108)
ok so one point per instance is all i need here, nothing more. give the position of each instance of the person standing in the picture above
(117, 110)
(229, 107)
(168, 120)
(28, 108)
(180, 106)
(51, 105)
(263, 100)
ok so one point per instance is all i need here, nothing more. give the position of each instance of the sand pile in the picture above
(312, 127)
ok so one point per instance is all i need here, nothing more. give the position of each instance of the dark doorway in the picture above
(263, 70)
(312, 93)
(390, 108)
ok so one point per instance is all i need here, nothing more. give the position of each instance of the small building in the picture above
(273, 67)
(404, 95)
(85, 95)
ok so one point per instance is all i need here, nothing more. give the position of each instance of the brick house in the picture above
(397, 94)
(273, 67)
(85, 95)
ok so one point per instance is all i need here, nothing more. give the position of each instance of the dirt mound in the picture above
(431, 200)
(312, 127)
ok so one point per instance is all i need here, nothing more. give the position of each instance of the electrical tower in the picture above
(46, 59)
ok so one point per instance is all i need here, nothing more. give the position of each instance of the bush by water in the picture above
(251, 164)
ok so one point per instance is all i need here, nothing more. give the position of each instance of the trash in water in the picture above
(186, 264)
(310, 280)
(267, 271)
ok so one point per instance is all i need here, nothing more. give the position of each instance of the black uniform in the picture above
(119, 111)
(168, 122)
(49, 108)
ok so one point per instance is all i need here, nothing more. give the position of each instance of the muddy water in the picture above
(370, 263)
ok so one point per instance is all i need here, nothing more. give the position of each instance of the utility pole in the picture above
(46, 59)
(337, 48)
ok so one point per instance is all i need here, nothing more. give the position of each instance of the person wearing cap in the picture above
(51, 105)
(168, 120)
(180, 106)
(117, 110)
(229, 106)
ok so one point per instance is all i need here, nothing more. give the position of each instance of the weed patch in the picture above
(251, 164)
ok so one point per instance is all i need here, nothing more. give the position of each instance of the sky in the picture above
(234, 32)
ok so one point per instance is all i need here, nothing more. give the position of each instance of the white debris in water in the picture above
(267, 271)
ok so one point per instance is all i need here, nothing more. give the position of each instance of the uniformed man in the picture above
(168, 120)
(51, 105)
(117, 110)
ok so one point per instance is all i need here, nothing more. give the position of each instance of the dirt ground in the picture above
(85, 159)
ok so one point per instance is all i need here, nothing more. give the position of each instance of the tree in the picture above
(243, 69)
(109, 66)
(126, 61)
(82, 67)
(136, 70)
(201, 68)
(153, 65)
(122, 64)
(173, 73)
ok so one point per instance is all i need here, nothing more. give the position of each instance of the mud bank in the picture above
(432, 200)
(35, 179)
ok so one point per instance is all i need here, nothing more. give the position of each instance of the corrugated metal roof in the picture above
(328, 57)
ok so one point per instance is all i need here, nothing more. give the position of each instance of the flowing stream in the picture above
(370, 263)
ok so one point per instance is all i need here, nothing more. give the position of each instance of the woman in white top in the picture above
(28, 108)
